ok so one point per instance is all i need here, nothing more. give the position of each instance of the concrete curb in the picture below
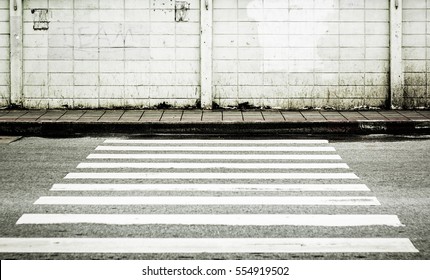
(75, 129)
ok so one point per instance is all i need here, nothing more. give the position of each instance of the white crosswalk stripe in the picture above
(225, 176)
(215, 156)
(216, 148)
(205, 200)
(214, 187)
(220, 219)
(207, 245)
(214, 141)
(248, 173)
(207, 165)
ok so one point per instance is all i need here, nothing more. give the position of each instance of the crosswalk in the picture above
(244, 176)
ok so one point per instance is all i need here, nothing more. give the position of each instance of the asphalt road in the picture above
(395, 169)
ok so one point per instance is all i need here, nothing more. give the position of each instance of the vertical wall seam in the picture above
(288, 58)
(73, 54)
(426, 56)
(124, 33)
(314, 43)
(365, 52)
(338, 50)
(150, 57)
(237, 52)
(98, 56)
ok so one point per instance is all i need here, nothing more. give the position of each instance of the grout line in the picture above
(340, 113)
(46, 111)
(123, 112)
(363, 115)
(322, 115)
(303, 115)
(282, 115)
(101, 115)
(382, 115)
(418, 112)
(162, 114)
(61, 116)
(141, 115)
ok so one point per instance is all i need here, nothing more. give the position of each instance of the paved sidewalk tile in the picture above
(52, 115)
(131, 116)
(111, 116)
(91, 116)
(171, 116)
(273, 116)
(192, 116)
(12, 115)
(313, 116)
(333, 116)
(373, 115)
(293, 116)
(232, 116)
(425, 113)
(212, 116)
(72, 115)
(32, 116)
(353, 116)
(412, 115)
(151, 116)
(393, 115)
(252, 116)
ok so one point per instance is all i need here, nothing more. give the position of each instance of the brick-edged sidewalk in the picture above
(89, 122)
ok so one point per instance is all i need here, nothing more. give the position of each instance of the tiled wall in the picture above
(301, 53)
(276, 53)
(4, 53)
(109, 53)
(416, 52)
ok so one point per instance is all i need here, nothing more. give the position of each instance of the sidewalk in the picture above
(56, 123)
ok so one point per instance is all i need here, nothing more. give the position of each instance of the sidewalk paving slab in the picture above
(242, 123)
(273, 116)
(211, 116)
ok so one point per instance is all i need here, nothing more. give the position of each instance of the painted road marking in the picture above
(208, 219)
(228, 176)
(207, 200)
(215, 156)
(210, 187)
(207, 165)
(214, 141)
(206, 245)
(216, 148)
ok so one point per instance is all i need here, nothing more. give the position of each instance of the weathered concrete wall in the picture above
(301, 53)
(4, 53)
(416, 52)
(111, 53)
(267, 53)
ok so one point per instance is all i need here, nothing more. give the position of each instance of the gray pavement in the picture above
(65, 123)
(395, 169)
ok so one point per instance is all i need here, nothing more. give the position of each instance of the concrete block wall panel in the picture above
(111, 53)
(301, 53)
(4, 53)
(416, 52)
